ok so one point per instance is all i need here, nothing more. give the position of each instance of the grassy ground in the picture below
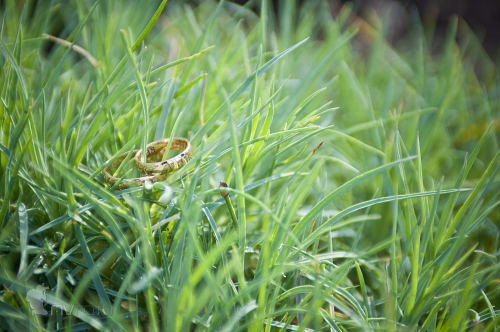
(362, 176)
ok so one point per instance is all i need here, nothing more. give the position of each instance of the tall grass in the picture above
(362, 176)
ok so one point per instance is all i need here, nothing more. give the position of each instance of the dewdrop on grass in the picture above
(167, 192)
(148, 185)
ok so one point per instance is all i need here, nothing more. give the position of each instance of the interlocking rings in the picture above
(155, 171)
(158, 148)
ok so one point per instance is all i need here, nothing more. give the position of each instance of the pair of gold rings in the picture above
(156, 170)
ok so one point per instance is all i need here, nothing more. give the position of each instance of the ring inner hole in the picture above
(129, 168)
(157, 154)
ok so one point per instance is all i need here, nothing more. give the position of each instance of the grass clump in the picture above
(362, 186)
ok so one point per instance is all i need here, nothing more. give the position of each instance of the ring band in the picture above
(157, 148)
(127, 183)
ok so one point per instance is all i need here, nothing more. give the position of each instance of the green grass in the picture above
(363, 176)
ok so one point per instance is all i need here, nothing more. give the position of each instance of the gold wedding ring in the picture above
(157, 148)
(155, 171)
